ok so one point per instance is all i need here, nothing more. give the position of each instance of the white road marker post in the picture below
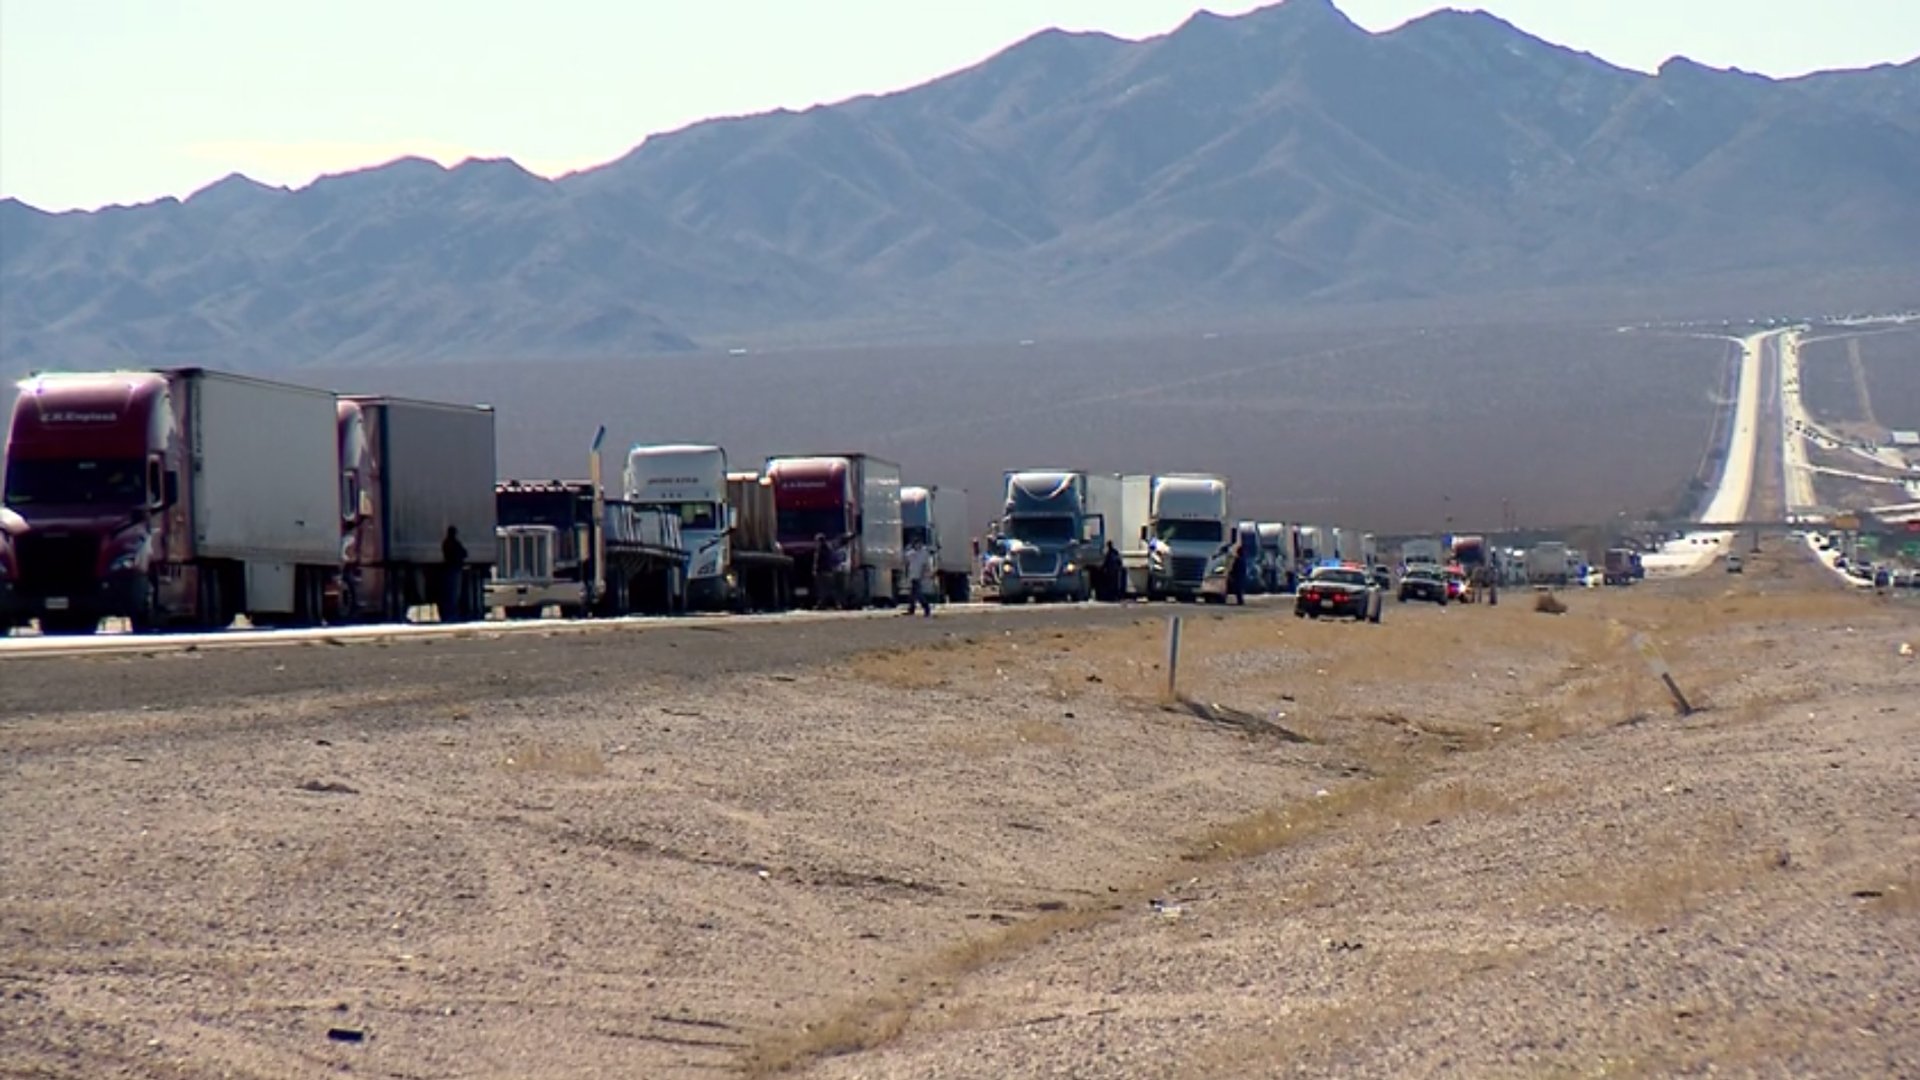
(1657, 664)
(1173, 658)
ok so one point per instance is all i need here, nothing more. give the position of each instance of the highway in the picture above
(1794, 421)
(29, 647)
(1733, 492)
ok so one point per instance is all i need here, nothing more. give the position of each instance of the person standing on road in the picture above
(919, 570)
(822, 572)
(453, 564)
(1237, 573)
(1113, 572)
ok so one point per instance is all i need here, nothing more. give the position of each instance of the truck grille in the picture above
(56, 565)
(1038, 564)
(1190, 569)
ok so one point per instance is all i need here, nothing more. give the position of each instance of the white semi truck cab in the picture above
(1187, 535)
(690, 481)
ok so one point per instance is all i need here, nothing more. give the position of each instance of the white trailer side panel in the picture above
(1105, 498)
(437, 462)
(1136, 510)
(949, 513)
(878, 484)
(266, 471)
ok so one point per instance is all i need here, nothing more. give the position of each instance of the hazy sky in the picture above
(128, 100)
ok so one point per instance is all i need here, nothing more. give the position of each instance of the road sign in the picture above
(1650, 652)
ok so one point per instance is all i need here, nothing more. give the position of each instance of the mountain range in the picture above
(1232, 170)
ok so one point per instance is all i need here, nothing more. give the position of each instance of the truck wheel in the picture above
(211, 614)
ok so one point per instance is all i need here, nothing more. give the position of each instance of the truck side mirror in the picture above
(156, 485)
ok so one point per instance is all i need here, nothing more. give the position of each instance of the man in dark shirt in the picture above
(453, 558)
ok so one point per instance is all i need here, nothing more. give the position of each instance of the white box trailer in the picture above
(937, 516)
(413, 469)
(1547, 563)
(1136, 513)
(437, 469)
(265, 477)
(265, 489)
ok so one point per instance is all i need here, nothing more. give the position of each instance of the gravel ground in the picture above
(1471, 841)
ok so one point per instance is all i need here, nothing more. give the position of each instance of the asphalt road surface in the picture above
(489, 663)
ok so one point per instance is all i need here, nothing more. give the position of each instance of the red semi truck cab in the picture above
(92, 486)
(811, 497)
(177, 497)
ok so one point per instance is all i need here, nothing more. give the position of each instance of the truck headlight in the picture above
(1072, 569)
(123, 561)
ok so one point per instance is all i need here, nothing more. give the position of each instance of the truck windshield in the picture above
(1196, 532)
(111, 481)
(693, 515)
(555, 508)
(804, 524)
(1041, 530)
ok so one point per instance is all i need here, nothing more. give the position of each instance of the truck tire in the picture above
(145, 617)
(962, 589)
(212, 602)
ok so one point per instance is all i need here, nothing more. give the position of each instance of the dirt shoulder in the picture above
(1467, 842)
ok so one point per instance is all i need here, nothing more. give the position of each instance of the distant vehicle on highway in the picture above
(1736, 565)
(1459, 586)
(1336, 591)
(1424, 582)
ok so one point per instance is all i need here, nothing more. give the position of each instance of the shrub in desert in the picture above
(1549, 603)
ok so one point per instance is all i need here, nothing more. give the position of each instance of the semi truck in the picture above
(1547, 563)
(937, 517)
(1055, 525)
(178, 497)
(1187, 533)
(1276, 564)
(762, 574)
(563, 544)
(1622, 567)
(690, 482)
(851, 503)
(1422, 551)
(408, 471)
(1470, 552)
(1313, 546)
(1247, 535)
